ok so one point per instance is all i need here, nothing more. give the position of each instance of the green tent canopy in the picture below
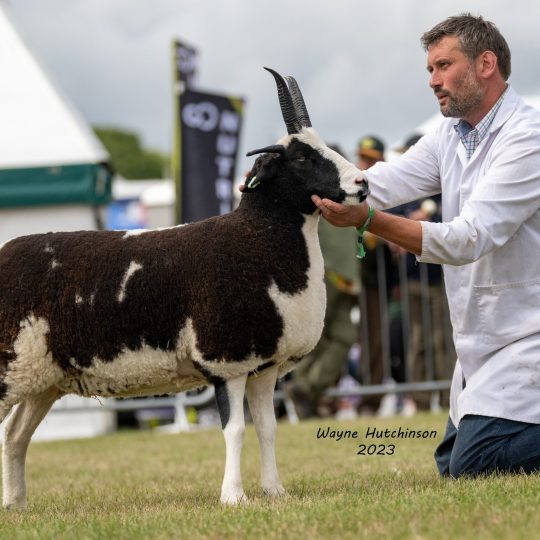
(48, 154)
(88, 183)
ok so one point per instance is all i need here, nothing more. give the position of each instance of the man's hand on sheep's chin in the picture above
(342, 215)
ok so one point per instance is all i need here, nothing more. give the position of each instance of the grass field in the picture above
(137, 485)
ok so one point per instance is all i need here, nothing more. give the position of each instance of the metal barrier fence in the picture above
(416, 349)
(179, 402)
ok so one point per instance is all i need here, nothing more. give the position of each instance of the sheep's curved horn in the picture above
(298, 102)
(274, 149)
(286, 103)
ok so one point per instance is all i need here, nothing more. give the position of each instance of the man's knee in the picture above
(443, 453)
(487, 445)
(468, 465)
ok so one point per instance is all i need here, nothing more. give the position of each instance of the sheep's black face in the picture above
(305, 172)
(304, 167)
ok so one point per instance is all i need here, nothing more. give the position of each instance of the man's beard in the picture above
(467, 96)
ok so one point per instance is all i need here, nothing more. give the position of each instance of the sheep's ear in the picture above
(252, 182)
(255, 178)
(264, 169)
(274, 149)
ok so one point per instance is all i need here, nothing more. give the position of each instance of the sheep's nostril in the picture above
(360, 181)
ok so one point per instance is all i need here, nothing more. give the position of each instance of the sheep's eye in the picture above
(300, 158)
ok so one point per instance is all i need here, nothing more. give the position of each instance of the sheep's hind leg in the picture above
(230, 402)
(260, 394)
(18, 431)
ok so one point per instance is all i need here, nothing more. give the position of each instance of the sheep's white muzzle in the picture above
(363, 192)
(355, 196)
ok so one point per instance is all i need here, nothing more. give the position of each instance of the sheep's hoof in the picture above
(15, 506)
(234, 499)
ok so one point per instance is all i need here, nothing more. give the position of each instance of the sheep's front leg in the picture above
(260, 394)
(19, 428)
(230, 401)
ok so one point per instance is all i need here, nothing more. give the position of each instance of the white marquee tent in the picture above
(52, 177)
(48, 155)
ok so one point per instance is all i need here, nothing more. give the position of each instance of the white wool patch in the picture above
(231, 370)
(145, 371)
(186, 344)
(33, 370)
(135, 232)
(138, 232)
(303, 313)
(130, 373)
(132, 268)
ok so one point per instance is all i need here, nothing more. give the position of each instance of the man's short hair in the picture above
(475, 35)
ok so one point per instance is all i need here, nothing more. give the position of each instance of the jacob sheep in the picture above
(234, 301)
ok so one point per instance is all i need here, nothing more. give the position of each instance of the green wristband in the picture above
(360, 250)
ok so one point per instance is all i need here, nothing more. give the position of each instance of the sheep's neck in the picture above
(269, 209)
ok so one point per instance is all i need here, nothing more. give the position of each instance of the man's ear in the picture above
(487, 64)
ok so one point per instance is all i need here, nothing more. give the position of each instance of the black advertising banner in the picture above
(185, 59)
(210, 128)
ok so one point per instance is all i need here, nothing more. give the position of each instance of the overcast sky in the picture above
(359, 64)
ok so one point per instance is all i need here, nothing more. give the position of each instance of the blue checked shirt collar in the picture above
(472, 137)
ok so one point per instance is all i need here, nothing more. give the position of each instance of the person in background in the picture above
(323, 367)
(378, 266)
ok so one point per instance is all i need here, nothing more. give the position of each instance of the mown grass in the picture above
(148, 485)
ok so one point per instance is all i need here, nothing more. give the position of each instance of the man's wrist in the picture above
(362, 215)
(360, 250)
(366, 223)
